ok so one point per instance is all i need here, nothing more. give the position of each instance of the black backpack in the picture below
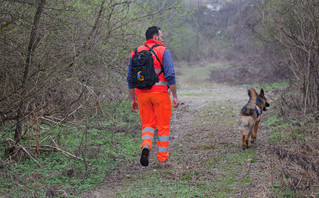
(142, 70)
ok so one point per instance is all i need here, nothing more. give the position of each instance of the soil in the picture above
(206, 142)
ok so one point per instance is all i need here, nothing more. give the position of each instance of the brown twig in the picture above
(60, 150)
(33, 158)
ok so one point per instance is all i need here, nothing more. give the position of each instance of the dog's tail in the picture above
(251, 105)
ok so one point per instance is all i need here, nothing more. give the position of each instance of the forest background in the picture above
(64, 63)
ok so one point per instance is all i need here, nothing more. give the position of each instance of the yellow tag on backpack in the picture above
(140, 77)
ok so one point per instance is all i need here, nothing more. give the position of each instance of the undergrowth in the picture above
(294, 150)
(98, 145)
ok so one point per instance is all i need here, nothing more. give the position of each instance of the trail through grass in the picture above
(205, 148)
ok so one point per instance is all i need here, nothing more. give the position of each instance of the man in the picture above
(154, 104)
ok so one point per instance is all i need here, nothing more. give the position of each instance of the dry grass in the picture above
(295, 152)
(299, 169)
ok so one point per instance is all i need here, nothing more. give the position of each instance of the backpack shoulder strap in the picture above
(151, 49)
(135, 50)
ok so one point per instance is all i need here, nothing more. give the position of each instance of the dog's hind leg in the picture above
(247, 139)
(254, 135)
(244, 139)
(250, 134)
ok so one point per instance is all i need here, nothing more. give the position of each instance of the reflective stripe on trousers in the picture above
(155, 111)
(162, 144)
(148, 135)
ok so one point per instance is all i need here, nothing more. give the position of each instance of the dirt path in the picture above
(211, 140)
(205, 152)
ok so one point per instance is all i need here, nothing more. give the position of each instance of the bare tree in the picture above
(65, 59)
(294, 24)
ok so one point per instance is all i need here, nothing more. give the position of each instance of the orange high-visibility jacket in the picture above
(162, 85)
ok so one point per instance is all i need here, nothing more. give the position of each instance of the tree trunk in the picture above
(31, 47)
(317, 94)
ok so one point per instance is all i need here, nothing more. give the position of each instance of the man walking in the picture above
(154, 103)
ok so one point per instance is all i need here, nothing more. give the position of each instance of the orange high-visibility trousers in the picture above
(155, 111)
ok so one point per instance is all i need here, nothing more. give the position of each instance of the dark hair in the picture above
(151, 31)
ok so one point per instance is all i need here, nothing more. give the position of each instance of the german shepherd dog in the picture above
(250, 116)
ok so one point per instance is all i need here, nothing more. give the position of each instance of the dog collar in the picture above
(258, 111)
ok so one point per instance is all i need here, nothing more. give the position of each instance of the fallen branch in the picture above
(58, 149)
(25, 150)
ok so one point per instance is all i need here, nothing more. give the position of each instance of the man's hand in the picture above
(176, 102)
(134, 105)
(175, 99)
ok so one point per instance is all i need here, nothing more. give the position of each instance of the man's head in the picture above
(155, 33)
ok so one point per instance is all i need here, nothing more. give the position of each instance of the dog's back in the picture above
(249, 108)
(247, 115)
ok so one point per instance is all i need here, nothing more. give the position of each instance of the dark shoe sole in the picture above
(144, 157)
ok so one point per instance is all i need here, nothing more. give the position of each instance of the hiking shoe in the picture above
(144, 156)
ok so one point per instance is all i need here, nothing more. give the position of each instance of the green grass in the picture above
(282, 85)
(273, 120)
(102, 149)
(54, 164)
(160, 187)
(197, 75)
(283, 130)
(226, 168)
(222, 169)
(223, 113)
(197, 173)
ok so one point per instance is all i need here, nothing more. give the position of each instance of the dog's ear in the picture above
(262, 93)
